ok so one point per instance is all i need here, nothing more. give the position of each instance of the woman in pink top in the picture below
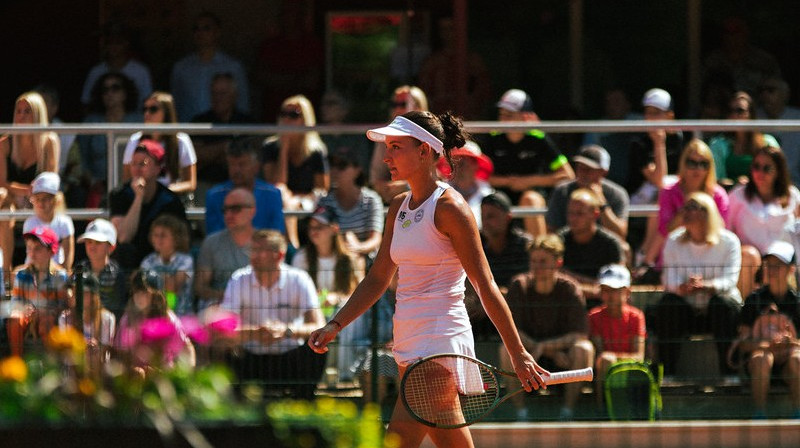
(414, 143)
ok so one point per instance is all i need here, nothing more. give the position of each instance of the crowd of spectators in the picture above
(725, 201)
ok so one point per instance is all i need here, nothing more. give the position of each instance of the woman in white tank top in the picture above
(431, 240)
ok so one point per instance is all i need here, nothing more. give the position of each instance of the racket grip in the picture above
(569, 376)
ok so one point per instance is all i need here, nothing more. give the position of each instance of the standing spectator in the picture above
(616, 328)
(774, 94)
(404, 99)
(359, 210)
(278, 308)
(591, 167)
(138, 202)
(527, 164)
(49, 210)
(171, 260)
(334, 111)
(734, 151)
(587, 246)
(100, 239)
(191, 77)
(114, 99)
(768, 330)
(761, 209)
(550, 314)
(505, 245)
(211, 163)
(22, 158)
(243, 168)
(225, 250)
(469, 175)
(115, 49)
(180, 160)
(701, 266)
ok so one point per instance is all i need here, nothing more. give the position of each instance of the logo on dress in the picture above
(406, 223)
(418, 216)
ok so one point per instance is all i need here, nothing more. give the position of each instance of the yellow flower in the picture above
(66, 339)
(13, 368)
(86, 387)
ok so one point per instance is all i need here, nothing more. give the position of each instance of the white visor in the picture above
(403, 127)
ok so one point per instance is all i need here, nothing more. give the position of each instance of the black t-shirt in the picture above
(534, 154)
(641, 154)
(301, 177)
(761, 298)
(131, 254)
(587, 259)
(513, 260)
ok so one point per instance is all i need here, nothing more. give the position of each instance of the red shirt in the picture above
(617, 332)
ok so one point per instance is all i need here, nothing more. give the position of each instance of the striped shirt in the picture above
(366, 216)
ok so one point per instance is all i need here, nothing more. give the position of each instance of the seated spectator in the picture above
(211, 149)
(526, 164)
(99, 324)
(115, 49)
(734, 151)
(695, 173)
(100, 239)
(114, 99)
(774, 95)
(191, 76)
(243, 168)
(52, 100)
(591, 167)
(278, 308)
(701, 266)
(334, 110)
(39, 293)
(226, 250)
(180, 159)
(171, 260)
(147, 303)
(49, 210)
(295, 162)
(134, 205)
(587, 246)
(469, 175)
(768, 330)
(359, 210)
(551, 318)
(761, 209)
(616, 328)
(336, 272)
(505, 245)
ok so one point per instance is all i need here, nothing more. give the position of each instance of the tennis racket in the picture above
(451, 390)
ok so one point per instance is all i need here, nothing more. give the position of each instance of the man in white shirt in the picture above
(278, 308)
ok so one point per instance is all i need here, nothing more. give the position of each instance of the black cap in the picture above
(325, 215)
(499, 200)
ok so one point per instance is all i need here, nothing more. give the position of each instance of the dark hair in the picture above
(244, 145)
(172, 163)
(780, 188)
(446, 127)
(146, 281)
(211, 16)
(131, 93)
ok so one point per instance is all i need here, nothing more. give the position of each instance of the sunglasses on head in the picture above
(766, 168)
(701, 164)
(293, 114)
(235, 208)
(151, 109)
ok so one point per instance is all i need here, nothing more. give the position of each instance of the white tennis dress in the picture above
(430, 316)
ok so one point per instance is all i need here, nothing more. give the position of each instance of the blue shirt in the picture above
(191, 83)
(269, 207)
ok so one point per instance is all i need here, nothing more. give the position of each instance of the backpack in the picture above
(632, 391)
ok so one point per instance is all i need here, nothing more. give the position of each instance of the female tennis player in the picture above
(432, 238)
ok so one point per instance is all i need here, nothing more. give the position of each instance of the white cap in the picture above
(46, 182)
(100, 230)
(658, 98)
(781, 250)
(615, 276)
(516, 100)
(403, 127)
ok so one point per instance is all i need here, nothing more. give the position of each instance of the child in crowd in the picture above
(99, 323)
(39, 289)
(49, 210)
(171, 260)
(100, 239)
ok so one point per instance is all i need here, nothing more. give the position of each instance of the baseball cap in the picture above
(46, 182)
(516, 100)
(46, 236)
(658, 98)
(89, 282)
(499, 200)
(471, 150)
(593, 156)
(614, 276)
(153, 148)
(782, 251)
(100, 230)
(325, 215)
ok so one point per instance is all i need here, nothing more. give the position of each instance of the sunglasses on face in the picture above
(739, 110)
(197, 28)
(694, 207)
(399, 104)
(235, 208)
(697, 164)
(151, 109)
(766, 168)
(112, 88)
(293, 114)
